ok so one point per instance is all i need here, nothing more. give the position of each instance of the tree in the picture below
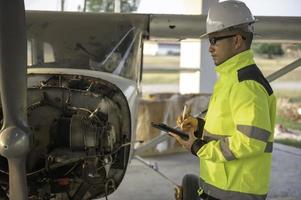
(108, 5)
(270, 49)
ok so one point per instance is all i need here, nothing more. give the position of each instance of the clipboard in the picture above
(166, 128)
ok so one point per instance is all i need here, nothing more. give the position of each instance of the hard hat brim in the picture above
(204, 36)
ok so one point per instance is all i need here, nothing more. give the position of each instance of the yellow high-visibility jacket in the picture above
(235, 163)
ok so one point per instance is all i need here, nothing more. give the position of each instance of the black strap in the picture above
(197, 144)
(199, 131)
(252, 72)
(205, 196)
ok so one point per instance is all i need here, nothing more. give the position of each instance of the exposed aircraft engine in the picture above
(81, 137)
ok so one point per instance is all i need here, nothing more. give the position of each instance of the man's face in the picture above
(221, 46)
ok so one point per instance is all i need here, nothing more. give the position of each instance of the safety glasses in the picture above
(213, 40)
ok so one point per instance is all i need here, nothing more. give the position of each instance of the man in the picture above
(236, 145)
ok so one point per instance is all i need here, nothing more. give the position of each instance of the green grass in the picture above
(275, 63)
(161, 60)
(289, 142)
(288, 123)
(291, 94)
(159, 78)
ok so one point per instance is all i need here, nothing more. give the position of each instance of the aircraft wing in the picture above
(270, 28)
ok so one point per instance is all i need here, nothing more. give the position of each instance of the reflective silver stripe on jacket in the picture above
(224, 143)
(246, 130)
(254, 132)
(209, 136)
(228, 195)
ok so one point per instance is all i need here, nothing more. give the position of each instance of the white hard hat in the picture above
(228, 14)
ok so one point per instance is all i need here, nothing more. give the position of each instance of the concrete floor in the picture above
(141, 183)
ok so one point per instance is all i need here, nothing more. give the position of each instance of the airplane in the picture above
(70, 86)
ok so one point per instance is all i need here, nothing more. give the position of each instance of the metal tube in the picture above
(151, 143)
(155, 169)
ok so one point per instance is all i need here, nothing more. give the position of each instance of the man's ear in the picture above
(238, 42)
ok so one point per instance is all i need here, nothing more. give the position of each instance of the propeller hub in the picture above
(14, 142)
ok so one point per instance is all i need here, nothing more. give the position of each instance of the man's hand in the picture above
(187, 123)
(186, 143)
(190, 124)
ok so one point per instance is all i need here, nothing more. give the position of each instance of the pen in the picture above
(184, 111)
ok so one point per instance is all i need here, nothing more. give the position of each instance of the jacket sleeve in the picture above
(249, 107)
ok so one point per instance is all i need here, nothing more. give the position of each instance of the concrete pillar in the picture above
(194, 54)
(117, 5)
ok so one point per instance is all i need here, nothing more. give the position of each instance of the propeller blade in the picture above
(14, 136)
(14, 145)
(16, 170)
